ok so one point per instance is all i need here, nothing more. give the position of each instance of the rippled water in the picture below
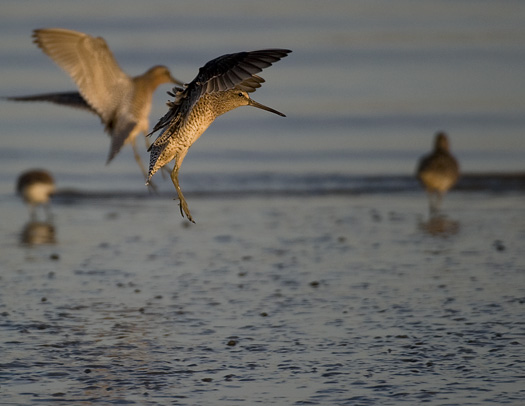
(319, 300)
(313, 274)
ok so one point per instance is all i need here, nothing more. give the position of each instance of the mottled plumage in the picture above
(221, 85)
(438, 171)
(123, 103)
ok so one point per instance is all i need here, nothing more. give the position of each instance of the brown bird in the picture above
(35, 187)
(123, 103)
(221, 85)
(438, 171)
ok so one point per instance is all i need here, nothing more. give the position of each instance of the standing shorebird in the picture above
(221, 85)
(438, 171)
(123, 103)
(36, 187)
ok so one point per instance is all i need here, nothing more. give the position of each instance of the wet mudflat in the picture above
(347, 300)
(351, 299)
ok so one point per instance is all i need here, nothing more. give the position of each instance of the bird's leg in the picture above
(49, 213)
(141, 165)
(146, 140)
(164, 171)
(434, 202)
(183, 205)
(439, 199)
(32, 212)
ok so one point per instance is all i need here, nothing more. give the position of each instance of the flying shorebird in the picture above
(123, 103)
(221, 85)
(35, 187)
(438, 171)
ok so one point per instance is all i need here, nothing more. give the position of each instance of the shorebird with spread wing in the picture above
(221, 85)
(122, 102)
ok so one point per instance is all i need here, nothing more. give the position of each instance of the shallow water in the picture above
(313, 274)
(317, 300)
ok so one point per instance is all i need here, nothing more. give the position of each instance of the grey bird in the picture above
(438, 171)
(123, 103)
(35, 187)
(221, 85)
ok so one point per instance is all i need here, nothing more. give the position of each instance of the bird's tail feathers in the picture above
(118, 138)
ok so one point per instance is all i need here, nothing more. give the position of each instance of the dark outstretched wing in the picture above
(174, 110)
(70, 99)
(230, 70)
(226, 72)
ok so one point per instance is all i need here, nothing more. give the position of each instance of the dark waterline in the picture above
(235, 185)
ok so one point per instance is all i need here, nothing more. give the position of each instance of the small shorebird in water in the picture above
(221, 85)
(438, 171)
(123, 103)
(35, 187)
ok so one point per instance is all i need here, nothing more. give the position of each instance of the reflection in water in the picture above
(37, 233)
(439, 225)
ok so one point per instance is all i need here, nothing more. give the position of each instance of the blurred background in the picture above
(365, 89)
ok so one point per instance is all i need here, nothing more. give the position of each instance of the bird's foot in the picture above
(184, 210)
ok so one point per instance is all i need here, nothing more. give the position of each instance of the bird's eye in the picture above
(240, 94)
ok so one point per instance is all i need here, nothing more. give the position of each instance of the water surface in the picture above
(314, 274)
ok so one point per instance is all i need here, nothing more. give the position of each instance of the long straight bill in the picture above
(263, 107)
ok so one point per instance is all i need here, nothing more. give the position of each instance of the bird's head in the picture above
(236, 98)
(161, 74)
(441, 142)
